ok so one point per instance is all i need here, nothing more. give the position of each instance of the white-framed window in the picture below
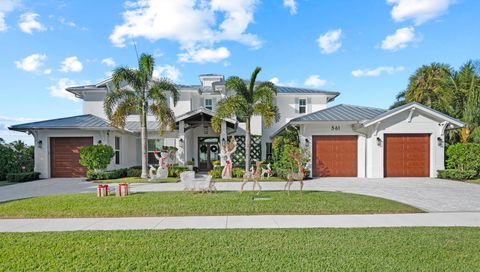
(154, 144)
(302, 105)
(208, 103)
(117, 150)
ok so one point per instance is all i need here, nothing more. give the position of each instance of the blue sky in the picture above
(364, 49)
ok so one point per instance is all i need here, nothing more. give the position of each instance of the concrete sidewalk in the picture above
(238, 222)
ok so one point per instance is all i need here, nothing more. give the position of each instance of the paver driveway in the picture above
(431, 195)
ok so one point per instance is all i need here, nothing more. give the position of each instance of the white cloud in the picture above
(194, 24)
(203, 55)
(47, 71)
(291, 5)
(28, 23)
(58, 90)
(276, 81)
(71, 64)
(110, 62)
(419, 11)
(330, 41)
(6, 6)
(31, 63)
(315, 81)
(71, 24)
(400, 39)
(377, 71)
(168, 71)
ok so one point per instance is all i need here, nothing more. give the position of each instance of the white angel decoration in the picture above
(226, 151)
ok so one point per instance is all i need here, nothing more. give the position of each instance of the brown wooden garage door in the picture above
(335, 156)
(407, 155)
(65, 156)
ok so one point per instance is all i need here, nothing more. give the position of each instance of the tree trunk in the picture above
(247, 144)
(144, 136)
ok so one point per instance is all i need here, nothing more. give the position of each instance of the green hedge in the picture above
(175, 170)
(112, 174)
(457, 174)
(21, 177)
(134, 172)
(465, 157)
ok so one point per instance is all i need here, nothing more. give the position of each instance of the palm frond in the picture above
(253, 79)
(268, 112)
(159, 88)
(146, 64)
(164, 115)
(115, 98)
(128, 105)
(264, 92)
(130, 76)
(238, 85)
(228, 107)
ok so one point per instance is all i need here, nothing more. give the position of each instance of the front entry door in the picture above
(208, 150)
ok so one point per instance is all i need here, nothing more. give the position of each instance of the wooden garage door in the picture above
(335, 156)
(407, 155)
(65, 156)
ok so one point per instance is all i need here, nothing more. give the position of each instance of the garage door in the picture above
(407, 155)
(335, 156)
(65, 156)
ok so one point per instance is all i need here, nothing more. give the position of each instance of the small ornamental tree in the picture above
(464, 157)
(96, 157)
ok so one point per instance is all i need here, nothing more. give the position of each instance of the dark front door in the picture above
(208, 150)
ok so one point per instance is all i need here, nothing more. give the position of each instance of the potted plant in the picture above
(189, 165)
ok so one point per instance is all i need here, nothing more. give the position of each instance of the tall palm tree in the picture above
(249, 100)
(137, 92)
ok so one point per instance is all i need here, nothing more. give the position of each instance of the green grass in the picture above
(475, 181)
(185, 203)
(137, 180)
(373, 249)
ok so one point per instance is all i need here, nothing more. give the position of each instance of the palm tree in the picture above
(249, 100)
(431, 85)
(141, 94)
(466, 100)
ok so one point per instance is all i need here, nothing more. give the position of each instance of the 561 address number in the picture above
(335, 128)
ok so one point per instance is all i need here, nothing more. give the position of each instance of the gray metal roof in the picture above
(81, 121)
(298, 90)
(341, 112)
(135, 125)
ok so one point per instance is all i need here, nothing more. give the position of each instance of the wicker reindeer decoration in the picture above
(298, 157)
(253, 175)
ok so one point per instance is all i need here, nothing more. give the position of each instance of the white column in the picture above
(181, 143)
(223, 136)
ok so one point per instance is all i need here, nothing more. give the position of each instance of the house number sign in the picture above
(335, 128)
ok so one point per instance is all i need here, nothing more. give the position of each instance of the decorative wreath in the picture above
(214, 148)
(203, 148)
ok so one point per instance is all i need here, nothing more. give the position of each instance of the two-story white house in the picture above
(344, 140)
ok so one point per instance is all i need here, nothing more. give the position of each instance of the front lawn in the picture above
(186, 203)
(369, 249)
(272, 179)
(138, 180)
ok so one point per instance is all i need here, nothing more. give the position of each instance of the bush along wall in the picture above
(463, 162)
(22, 177)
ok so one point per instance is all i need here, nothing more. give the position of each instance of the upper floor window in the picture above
(208, 103)
(302, 105)
(117, 150)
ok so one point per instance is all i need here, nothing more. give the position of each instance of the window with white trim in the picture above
(117, 150)
(208, 103)
(302, 105)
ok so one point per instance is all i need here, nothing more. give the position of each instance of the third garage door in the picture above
(407, 155)
(65, 156)
(335, 156)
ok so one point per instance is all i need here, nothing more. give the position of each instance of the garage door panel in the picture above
(335, 156)
(407, 155)
(65, 156)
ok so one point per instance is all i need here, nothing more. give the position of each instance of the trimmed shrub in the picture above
(456, 174)
(22, 177)
(134, 172)
(465, 157)
(113, 174)
(175, 170)
(238, 172)
(96, 157)
(216, 172)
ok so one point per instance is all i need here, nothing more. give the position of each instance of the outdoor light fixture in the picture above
(440, 141)
(181, 142)
(307, 142)
(99, 142)
(379, 141)
(40, 144)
